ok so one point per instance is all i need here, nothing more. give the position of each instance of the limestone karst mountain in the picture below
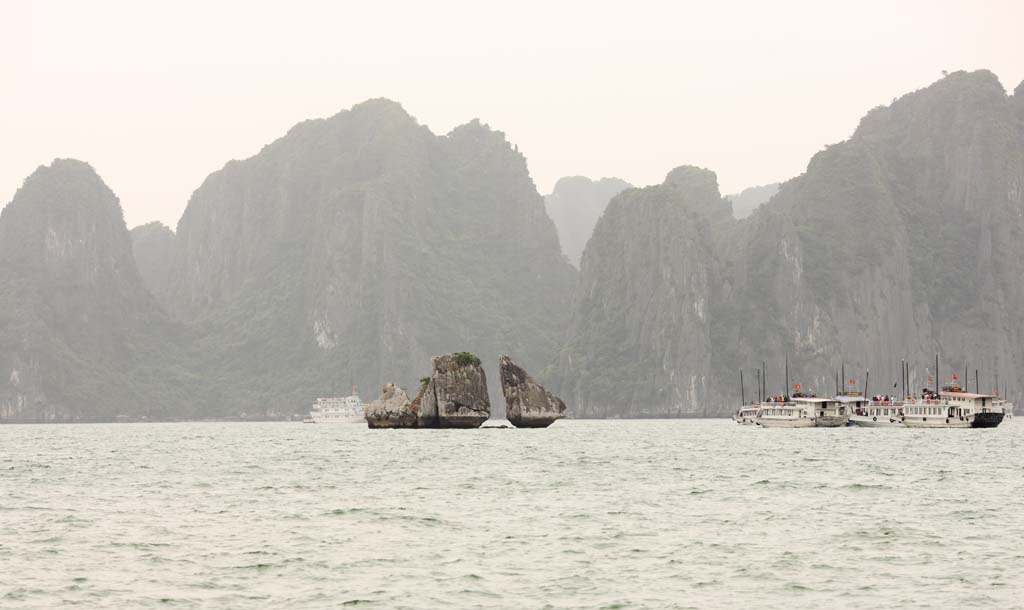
(154, 248)
(903, 241)
(640, 341)
(354, 247)
(749, 199)
(80, 336)
(575, 204)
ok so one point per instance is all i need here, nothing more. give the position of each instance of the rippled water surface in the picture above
(641, 514)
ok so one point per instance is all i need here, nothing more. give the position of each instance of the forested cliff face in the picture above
(903, 241)
(80, 337)
(575, 204)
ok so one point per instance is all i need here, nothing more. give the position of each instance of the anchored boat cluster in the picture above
(952, 406)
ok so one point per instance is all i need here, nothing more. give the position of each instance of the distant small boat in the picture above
(308, 420)
(338, 410)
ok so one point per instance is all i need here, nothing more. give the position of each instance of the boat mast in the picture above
(976, 386)
(844, 378)
(903, 378)
(867, 374)
(764, 378)
(936, 374)
(743, 397)
(785, 395)
(759, 398)
(837, 383)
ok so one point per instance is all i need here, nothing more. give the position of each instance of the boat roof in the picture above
(965, 394)
(857, 398)
(815, 399)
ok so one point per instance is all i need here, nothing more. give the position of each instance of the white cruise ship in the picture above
(338, 410)
(953, 408)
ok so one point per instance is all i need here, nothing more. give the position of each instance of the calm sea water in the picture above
(585, 514)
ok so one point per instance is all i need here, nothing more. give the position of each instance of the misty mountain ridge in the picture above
(347, 252)
(901, 242)
(81, 337)
(575, 204)
(354, 247)
(749, 199)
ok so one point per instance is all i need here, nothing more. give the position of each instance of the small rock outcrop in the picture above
(425, 404)
(456, 395)
(392, 410)
(528, 404)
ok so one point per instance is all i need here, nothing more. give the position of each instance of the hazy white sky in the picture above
(157, 96)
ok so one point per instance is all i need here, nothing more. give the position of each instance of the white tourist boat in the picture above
(825, 412)
(746, 415)
(880, 414)
(1005, 405)
(953, 408)
(874, 413)
(784, 414)
(338, 410)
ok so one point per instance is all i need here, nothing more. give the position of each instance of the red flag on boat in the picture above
(797, 386)
(954, 376)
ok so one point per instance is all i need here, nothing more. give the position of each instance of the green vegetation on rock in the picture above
(466, 359)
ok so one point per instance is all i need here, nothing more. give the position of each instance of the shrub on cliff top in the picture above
(466, 359)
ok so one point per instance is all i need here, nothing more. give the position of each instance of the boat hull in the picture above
(987, 420)
(785, 423)
(831, 421)
(936, 422)
(865, 421)
(353, 419)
